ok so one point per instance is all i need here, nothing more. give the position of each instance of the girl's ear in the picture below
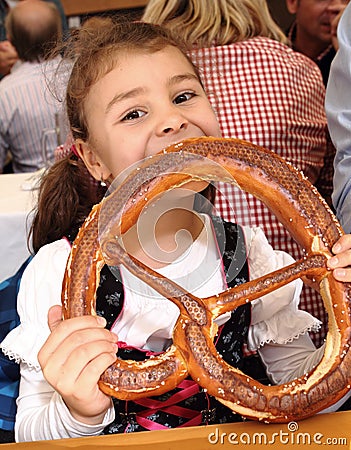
(92, 161)
(292, 6)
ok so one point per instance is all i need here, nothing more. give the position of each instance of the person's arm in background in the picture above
(8, 57)
(338, 110)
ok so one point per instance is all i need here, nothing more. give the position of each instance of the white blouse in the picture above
(278, 330)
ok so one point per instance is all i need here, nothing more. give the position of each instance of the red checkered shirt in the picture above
(268, 94)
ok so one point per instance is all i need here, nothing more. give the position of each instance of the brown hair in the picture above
(68, 192)
(66, 195)
(96, 51)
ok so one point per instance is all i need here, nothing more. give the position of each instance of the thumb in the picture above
(54, 316)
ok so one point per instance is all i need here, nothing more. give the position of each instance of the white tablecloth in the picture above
(15, 219)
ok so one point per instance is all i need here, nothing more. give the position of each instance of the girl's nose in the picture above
(171, 123)
(168, 130)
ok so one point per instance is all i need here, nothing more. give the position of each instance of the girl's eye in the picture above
(184, 97)
(132, 115)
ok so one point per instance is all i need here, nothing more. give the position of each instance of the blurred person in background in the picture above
(314, 28)
(27, 105)
(338, 109)
(8, 54)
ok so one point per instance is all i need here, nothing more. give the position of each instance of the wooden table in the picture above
(324, 430)
(81, 7)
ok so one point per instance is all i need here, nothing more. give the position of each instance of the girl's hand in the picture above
(341, 262)
(72, 359)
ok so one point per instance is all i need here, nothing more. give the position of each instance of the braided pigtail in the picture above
(66, 195)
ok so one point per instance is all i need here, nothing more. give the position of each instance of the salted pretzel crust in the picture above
(299, 207)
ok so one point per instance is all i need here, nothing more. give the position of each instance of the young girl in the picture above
(132, 92)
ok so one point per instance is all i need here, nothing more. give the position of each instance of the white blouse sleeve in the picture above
(40, 289)
(43, 415)
(275, 317)
(38, 405)
(279, 330)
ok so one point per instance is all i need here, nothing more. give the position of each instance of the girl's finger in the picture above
(66, 376)
(341, 260)
(92, 370)
(87, 399)
(62, 330)
(342, 274)
(54, 316)
(342, 244)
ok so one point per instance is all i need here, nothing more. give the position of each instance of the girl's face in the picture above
(147, 102)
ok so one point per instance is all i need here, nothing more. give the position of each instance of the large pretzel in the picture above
(300, 209)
